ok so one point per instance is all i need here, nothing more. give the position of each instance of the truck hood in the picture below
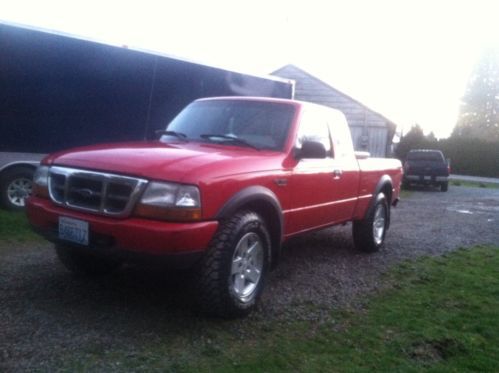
(181, 162)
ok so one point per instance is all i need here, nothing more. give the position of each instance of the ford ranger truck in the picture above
(228, 181)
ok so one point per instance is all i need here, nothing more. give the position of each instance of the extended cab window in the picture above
(259, 124)
(314, 127)
(340, 134)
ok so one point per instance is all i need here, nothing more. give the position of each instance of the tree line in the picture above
(473, 146)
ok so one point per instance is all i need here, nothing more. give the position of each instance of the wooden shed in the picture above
(370, 130)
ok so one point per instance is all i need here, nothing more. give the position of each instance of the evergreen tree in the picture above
(413, 139)
(479, 114)
(431, 137)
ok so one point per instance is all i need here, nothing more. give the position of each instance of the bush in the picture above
(472, 156)
(468, 156)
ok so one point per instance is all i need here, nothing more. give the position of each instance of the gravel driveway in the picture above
(47, 314)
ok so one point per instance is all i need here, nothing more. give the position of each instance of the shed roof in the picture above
(305, 83)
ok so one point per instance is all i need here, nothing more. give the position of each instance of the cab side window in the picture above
(314, 127)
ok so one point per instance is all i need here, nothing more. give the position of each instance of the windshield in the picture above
(255, 124)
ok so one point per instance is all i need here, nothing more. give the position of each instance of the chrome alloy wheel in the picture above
(379, 223)
(18, 190)
(247, 267)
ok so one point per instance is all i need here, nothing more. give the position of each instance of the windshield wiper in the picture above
(236, 140)
(178, 135)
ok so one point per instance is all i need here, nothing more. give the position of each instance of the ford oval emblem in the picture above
(85, 192)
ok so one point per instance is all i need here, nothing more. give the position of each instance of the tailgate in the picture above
(427, 168)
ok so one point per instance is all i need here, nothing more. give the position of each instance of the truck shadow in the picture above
(152, 288)
(423, 188)
(149, 302)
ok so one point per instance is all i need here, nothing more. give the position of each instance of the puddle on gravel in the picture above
(475, 208)
(460, 210)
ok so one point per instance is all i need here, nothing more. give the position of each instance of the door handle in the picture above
(337, 173)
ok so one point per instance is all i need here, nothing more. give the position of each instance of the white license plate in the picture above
(427, 177)
(73, 230)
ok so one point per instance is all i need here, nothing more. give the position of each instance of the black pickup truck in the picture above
(426, 167)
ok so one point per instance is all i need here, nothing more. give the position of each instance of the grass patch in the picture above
(473, 184)
(440, 314)
(404, 193)
(14, 227)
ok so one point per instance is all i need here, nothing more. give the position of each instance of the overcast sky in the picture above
(409, 60)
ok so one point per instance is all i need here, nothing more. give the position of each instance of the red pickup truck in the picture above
(228, 182)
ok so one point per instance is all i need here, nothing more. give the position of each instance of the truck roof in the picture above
(293, 102)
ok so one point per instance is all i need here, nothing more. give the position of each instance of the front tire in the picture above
(82, 263)
(369, 233)
(234, 269)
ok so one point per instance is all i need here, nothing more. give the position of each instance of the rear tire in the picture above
(16, 185)
(444, 186)
(234, 269)
(81, 263)
(369, 233)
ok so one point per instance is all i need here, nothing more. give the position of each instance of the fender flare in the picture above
(259, 196)
(385, 182)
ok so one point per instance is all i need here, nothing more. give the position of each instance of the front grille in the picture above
(98, 192)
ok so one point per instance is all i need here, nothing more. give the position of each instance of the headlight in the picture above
(40, 182)
(170, 201)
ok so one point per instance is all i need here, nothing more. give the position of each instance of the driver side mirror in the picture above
(311, 150)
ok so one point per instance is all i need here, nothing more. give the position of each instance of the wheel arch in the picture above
(19, 164)
(385, 186)
(266, 204)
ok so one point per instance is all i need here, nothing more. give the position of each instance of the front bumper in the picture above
(128, 235)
